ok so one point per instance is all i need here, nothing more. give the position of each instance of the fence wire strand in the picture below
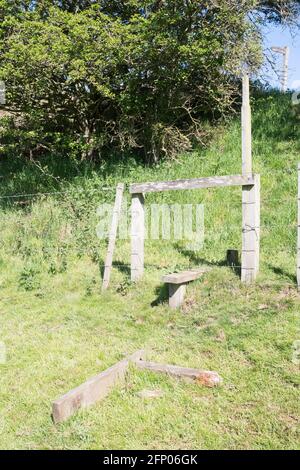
(51, 193)
(288, 171)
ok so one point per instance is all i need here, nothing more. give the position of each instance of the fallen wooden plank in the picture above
(184, 276)
(95, 389)
(113, 236)
(202, 377)
(197, 183)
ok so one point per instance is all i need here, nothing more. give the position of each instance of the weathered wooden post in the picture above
(246, 128)
(113, 235)
(298, 242)
(251, 230)
(250, 196)
(137, 236)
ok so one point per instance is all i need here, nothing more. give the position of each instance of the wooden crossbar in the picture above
(196, 183)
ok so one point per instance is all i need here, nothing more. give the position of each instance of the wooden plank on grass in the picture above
(202, 377)
(113, 235)
(196, 183)
(92, 391)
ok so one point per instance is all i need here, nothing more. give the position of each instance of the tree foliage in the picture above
(280, 10)
(84, 77)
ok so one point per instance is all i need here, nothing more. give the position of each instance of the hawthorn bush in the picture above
(84, 78)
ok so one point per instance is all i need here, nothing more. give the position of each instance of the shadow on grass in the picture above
(162, 291)
(275, 118)
(281, 272)
(162, 295)
(195, 259)
(119, 265)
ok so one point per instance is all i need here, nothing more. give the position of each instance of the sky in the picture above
(278, 36)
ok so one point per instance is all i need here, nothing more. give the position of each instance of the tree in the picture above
(280, 10)
(86, 77)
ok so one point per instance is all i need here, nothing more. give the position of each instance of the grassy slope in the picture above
(59, 330)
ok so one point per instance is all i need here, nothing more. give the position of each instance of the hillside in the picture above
(58, 329)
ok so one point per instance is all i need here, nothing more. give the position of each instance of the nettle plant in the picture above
(83, 78)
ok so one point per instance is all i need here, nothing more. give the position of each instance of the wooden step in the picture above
(177, 284)
(184, 276)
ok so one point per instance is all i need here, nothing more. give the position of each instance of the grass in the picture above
(59, 329)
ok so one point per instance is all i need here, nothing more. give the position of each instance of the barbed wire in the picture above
(49, 193)
(288, 171)
(233, 226)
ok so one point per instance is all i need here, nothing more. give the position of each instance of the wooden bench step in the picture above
(177, 284)
(184, 276)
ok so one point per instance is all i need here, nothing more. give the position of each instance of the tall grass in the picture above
(45, 232)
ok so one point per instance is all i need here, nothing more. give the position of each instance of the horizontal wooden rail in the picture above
(197, 183)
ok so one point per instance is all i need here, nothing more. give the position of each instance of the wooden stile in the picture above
(248, 182)
(250, 205)
(113, 235)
